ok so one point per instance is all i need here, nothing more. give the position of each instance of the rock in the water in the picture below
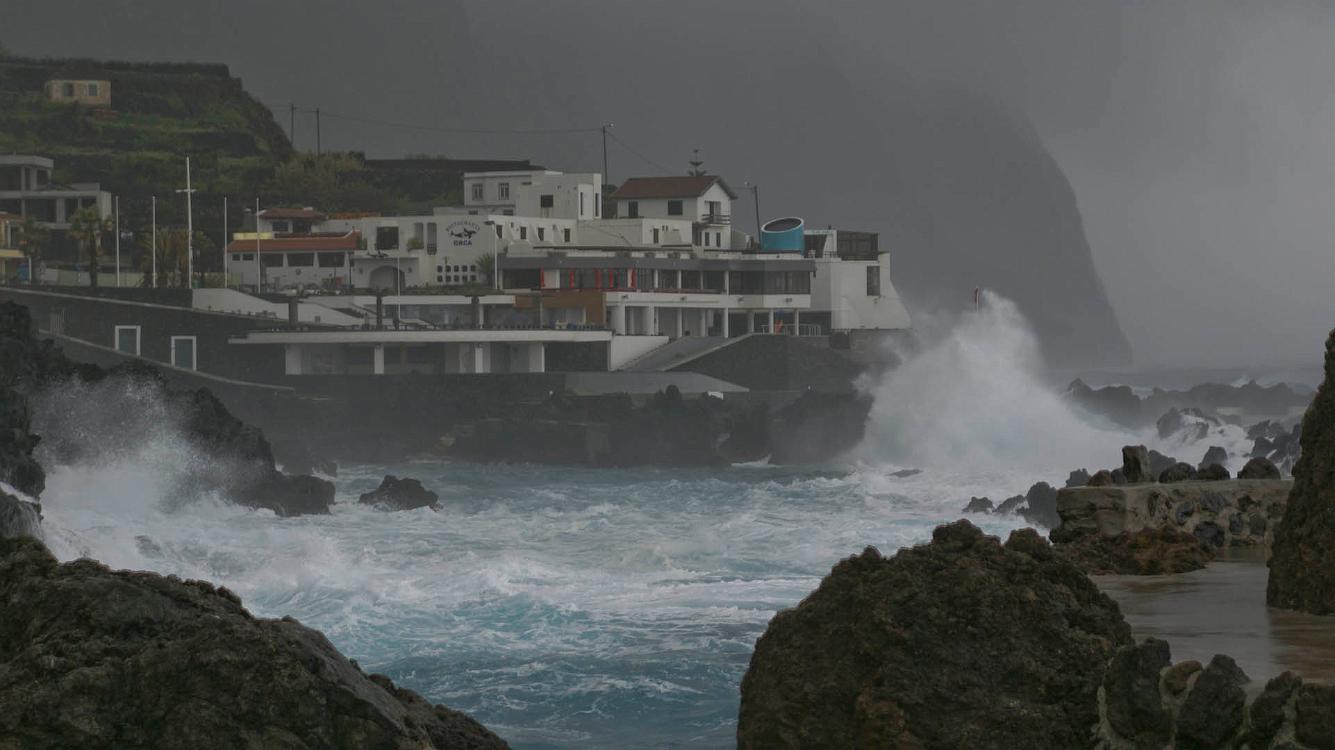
(1136, 464)
(1213, 455)
(1315, 722)
(1101, 478)
(96, 658)
(1187, 425)
(1178, 472)
(19, 517)
(287, 495)
(1302, 560)
(1259, 468)
(1146, 552)
(1010, 505)
(1213, 473)
(1041, 506)
(978, 505)
(1267, 711)
(401, 494)
(1213, 710)
(1078, 478)
(1131, 688)
(1012, 639)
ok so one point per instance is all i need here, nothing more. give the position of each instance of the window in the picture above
(545, 201)
(300, 259)
(542, 234)
(68, 90)
(282, 226)
(565, 235)
(632, 209)
(523, 233)
(706, 238)
(873, 281)
(674, 208)
(498, 231)
(477, 191)
(236, 257)
(503, 190)
(331, 260)
(272, 260)
(387, 238)
(247, 256)
(581, 204)
(92, 89)
(718, 239)
(183, 352)
(127, 339)
(655, 235)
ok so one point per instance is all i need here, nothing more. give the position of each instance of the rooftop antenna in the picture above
(696, 164)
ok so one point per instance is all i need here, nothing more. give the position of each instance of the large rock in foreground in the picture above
(97, 659)
(1302, 566)
(962, 642)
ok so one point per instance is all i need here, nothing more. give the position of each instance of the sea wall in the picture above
(1229, 513)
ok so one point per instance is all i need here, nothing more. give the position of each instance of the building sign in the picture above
(461, 232)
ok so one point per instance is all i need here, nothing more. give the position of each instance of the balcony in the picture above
(715, 219)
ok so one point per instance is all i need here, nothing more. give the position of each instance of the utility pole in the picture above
(755, 196)
(292, 124)
(317, 131)
(224, 242)
(189, 228)
(118, 240)
(155, 242)
(606, 177)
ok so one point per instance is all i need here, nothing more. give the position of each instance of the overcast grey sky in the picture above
(1197, 134)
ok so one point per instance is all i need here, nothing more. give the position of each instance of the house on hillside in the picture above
(704, 200)
(89, 93)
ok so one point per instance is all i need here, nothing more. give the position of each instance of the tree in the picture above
(173, 257)
(486, 265)
(88, 228)
(33, 240)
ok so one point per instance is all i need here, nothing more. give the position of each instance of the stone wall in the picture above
(1230, 513)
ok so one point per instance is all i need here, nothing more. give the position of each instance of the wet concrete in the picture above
(1221, 610)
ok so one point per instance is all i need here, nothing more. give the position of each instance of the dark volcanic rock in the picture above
(1078, 478)
(1212, 473)
(1315, 721)
(1101, 478)
(818, 427)
(1178, 472)
(1116, 402)
(1213, 710)
(978, 505)
(1259, 468)
(287, 495)
(1041, 506)
(1136, 464)
(1213, 455)
(96, 658)
(1210, 534)
(1159, 463)
(1302, 560)
(401, 494)
(1267, 711)
(19, 517)
(958, 643)
(1131, 687)
(1146, 552)
(1188, 424)
(1010, 505)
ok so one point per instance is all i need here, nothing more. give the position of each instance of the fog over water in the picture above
(1196, 134)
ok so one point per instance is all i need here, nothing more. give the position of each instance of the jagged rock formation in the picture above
(1149, 702)
(400, 494)
(96, 658)
(962, 642)
(116, 409)
(1146, 552)
(1302, 567)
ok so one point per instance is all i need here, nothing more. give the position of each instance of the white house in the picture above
(704, 200)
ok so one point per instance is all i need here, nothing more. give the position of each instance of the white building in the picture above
(26, 189)
(703, 200)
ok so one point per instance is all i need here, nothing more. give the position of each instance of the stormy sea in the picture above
(576, 607)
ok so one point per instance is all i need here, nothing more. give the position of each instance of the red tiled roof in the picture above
(313, 242)
(687, 186)
(291, 213)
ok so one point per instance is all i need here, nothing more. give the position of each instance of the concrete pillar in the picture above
(750, 321)
(379, 360)
(771, 321)
(704, 321)
(797, 322)
(619, 320)
(537, 357)
(651, 320)
(479, 358)
(681, 329)
(726, 314)
(725, 283)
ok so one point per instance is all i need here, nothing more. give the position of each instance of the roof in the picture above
(314, 242)
(687, 186)
(292, 213)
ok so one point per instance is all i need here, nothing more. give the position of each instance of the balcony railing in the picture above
(716, 218)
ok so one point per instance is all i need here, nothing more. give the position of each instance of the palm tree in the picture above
(88, 227)
(32, 241)
(486, 266)
(173, 258)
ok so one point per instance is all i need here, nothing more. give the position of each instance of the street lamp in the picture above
(189, 228)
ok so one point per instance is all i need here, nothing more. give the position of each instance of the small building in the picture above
(88, 93)
(704, 200)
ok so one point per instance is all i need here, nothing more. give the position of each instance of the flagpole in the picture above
(118, 240)
(155, 242)
(224, 242)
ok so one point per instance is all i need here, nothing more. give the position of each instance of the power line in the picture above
(647, 160)
(439, 129)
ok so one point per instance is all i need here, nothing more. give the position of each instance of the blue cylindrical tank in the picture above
(783, 236)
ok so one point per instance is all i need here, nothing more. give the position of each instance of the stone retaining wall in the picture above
(1230, 513)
